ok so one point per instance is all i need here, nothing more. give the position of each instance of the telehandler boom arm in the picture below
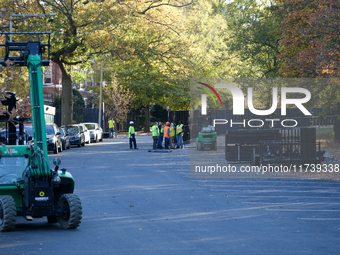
(30, 54)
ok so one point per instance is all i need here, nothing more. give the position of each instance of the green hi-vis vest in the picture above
(172, 131)
(154, 130)
(162, 130)
(179, 129)
(111, 123)
(131, 130)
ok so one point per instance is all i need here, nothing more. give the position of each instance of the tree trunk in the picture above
(147, 119)
(66, 97)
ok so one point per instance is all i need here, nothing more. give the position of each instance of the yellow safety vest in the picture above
(131, 130)
(172, 131)
(179, 129)
(162, 130)
(154, 130)
(111, 123)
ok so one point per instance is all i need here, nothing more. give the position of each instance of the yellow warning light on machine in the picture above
(42, 193)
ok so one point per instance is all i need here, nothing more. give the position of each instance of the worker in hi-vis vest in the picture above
(160, 137)
(172, 136)
(155, 133)
(132, 137)
(166, 134)
(179, 134)
(111, 127)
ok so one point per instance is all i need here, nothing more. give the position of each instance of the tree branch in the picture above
(151, 6)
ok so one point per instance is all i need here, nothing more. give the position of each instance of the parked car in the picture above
(96, 132)
(65, 138)
(84, 129)
(77, 137)
(53, 137)
(4, 136)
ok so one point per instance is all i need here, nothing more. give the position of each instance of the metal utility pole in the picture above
(100, 97)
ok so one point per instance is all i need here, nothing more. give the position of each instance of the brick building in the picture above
(52, 84)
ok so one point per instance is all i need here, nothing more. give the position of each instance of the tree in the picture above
(208, 55)
(14, 79)
(82, 30)
(117, 101)
(253, 35)
(153, 67)
(24, 108)
(158, 113)
(79, 105)
(78, 102)
(310, 38)
(310, 46)
(237, 39)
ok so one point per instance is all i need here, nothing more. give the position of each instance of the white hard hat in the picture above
(131, 122)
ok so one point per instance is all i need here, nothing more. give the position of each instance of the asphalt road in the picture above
(138, 202)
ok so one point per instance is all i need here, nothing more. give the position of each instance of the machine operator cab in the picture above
(12, 169)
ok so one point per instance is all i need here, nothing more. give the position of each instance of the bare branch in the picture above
(55, 6)
(151, 6)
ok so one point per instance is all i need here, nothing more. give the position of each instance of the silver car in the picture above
(86, 132)
(96, 132)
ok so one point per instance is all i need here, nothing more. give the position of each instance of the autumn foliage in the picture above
(310, 38)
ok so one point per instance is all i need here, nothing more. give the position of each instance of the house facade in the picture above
(52, 84)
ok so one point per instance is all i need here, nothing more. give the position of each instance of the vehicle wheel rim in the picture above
(65, 211)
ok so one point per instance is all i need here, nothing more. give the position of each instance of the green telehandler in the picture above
(207, 136)
(28, 186)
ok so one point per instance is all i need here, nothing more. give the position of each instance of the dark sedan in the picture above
(53, 137)
(76, 136)
(19, 139)
(65, 138)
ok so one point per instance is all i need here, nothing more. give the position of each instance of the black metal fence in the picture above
(80, 115)
(242, 122)
(92, 115)
(241, 144)
(177, 116)
(192, 127)
(296, 146)
(273, 146)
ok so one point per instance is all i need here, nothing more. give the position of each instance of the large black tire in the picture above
(55, 150)
(61, 147)
(95, 139)
(64, 146)
(8, 213)
(71, 211)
